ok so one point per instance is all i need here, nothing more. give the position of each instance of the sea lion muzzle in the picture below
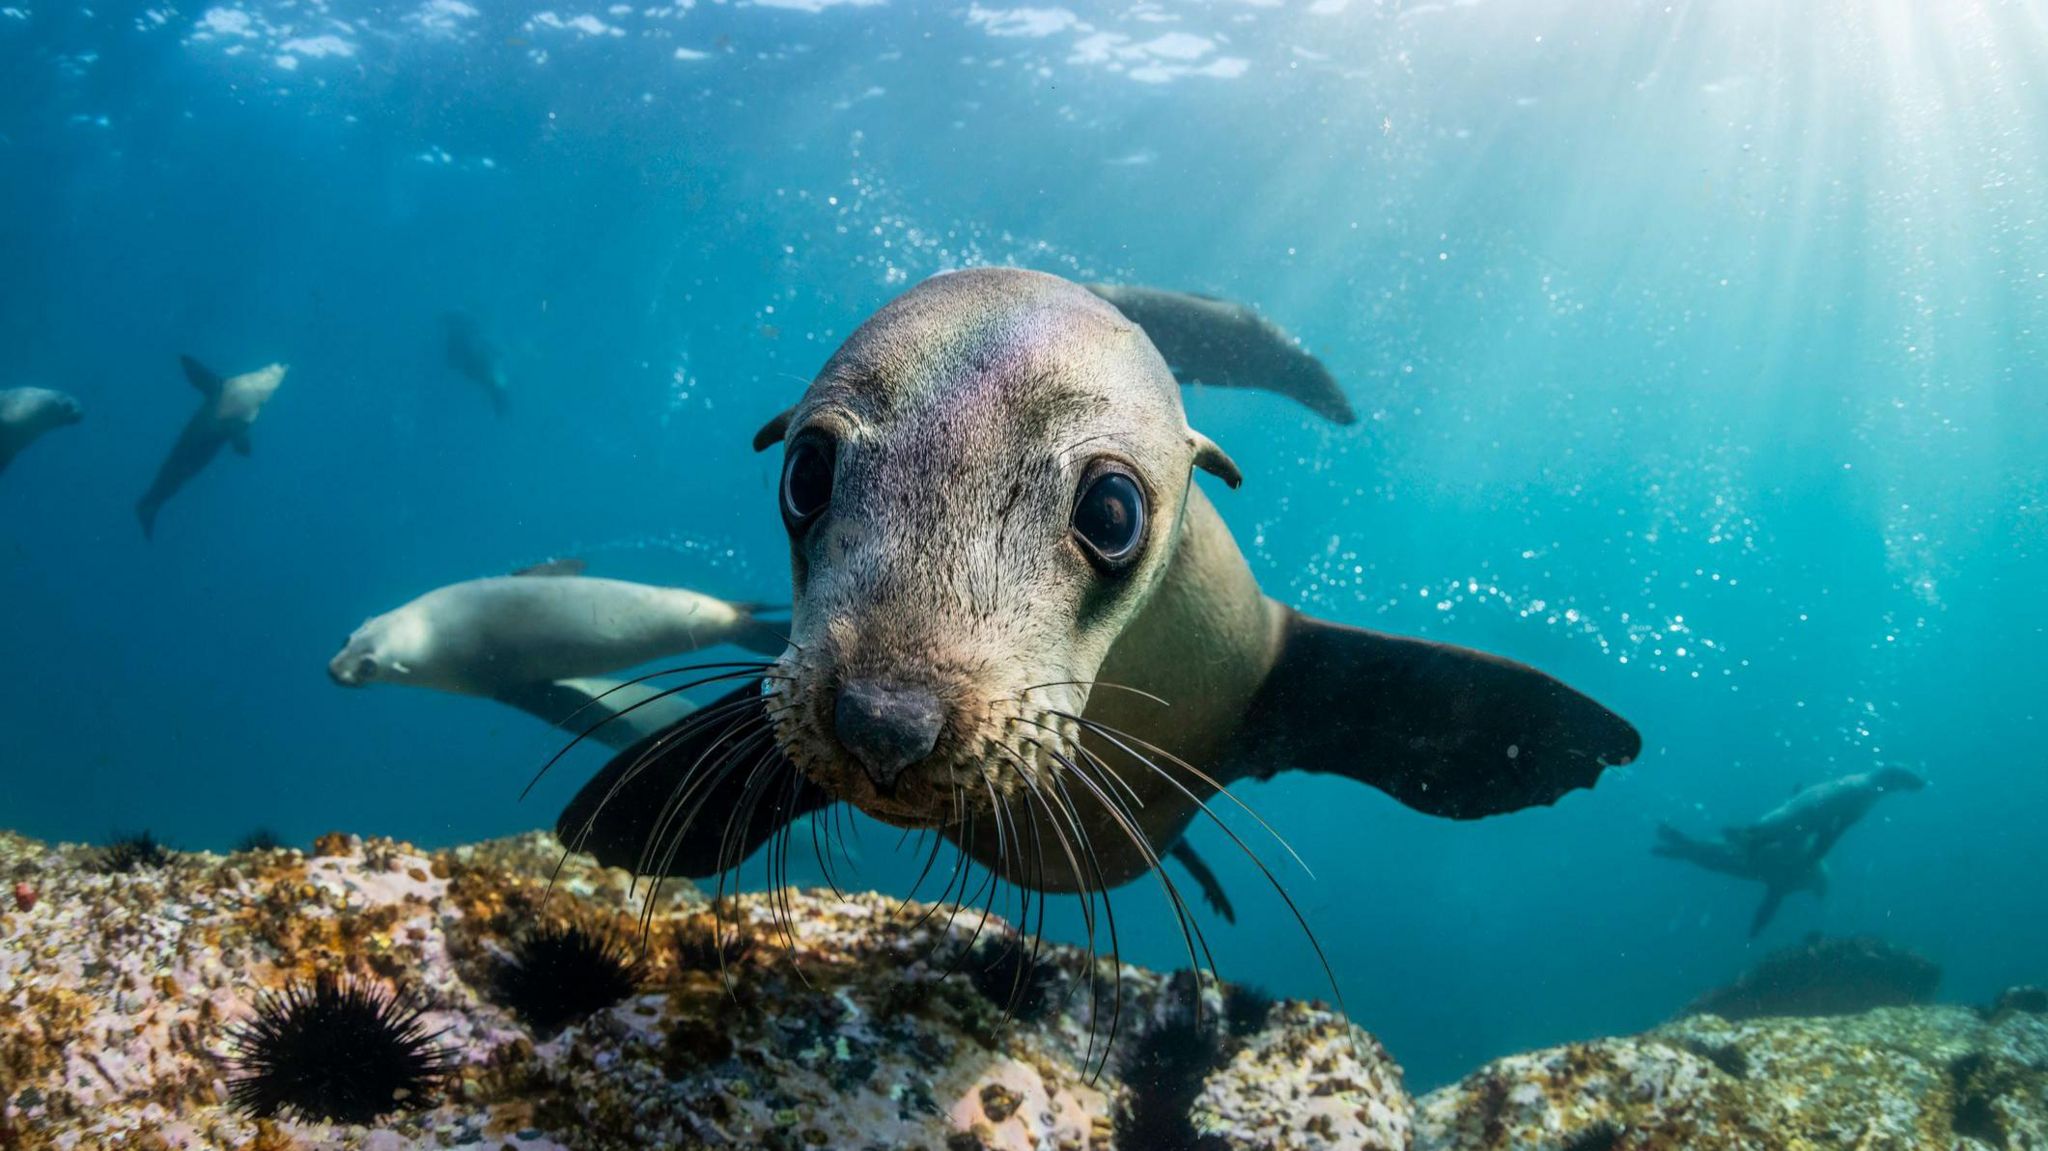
(887, 728)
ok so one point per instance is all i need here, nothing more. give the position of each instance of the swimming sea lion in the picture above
(472, 354)
(228, 408)
(26, 413)
(1227, 345)
(1785, 849)
(1019, 623)
(507, 637)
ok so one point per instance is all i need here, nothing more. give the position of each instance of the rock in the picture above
(1307, 1080)
(1825, 977)
(1903, 1078)
(118, 995)
(2030, 1000)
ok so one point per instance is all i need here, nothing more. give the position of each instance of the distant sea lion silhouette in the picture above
(1004, 576)
(515, 638)
(226, 410)
(1784, 850)
(26, 413)
(472, 354)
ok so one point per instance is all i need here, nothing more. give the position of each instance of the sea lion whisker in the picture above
(1091, 683)
(670, 842)
(723, 766)
(731, 840)
(822, 851)
(600, 697)
(1111, 772)
(1081, 888)
(746, 729)
(1279, 888)
(687, 725)
(1118, 736)
(1116, 958)
(1127, 821)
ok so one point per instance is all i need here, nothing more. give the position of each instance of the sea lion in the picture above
(1227, 345)
(1785, 849)
(26, 413)
(1019, 623)
(473, 355)
(508, 637)
(226, 410)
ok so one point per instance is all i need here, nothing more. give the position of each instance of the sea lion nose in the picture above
(887, 728)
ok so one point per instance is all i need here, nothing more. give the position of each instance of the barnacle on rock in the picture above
(130, 852)
(560, 974)
(336, 1050)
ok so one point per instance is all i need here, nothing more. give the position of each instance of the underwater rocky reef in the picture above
(372, 995)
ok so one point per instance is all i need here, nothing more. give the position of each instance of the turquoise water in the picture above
(1699, 349)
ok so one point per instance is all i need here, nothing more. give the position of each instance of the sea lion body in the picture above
(27, 413)
(1017, 621)
(505, 635)
(472, 355)
(1786, 849)
(227, 409)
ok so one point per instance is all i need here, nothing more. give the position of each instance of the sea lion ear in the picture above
(1212, 459)
(771, 433)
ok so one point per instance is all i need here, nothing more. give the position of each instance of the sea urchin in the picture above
(557, 975)
(336, 1050)
(129, 853)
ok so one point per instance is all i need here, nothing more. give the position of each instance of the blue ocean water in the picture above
(1699, 349)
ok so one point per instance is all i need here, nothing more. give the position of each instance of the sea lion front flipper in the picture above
(240, 442)
(204, 378)
(1446, 730)
(613, 712)
(707, 764)
(1766, 911)
(1212, 888)
(1210, 341)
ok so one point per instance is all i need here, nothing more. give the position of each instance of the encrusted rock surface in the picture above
(118, 993)
(1892, 1079)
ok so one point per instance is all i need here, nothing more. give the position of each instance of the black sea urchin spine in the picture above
(131, 852)
(336, 1050)
(557, 975)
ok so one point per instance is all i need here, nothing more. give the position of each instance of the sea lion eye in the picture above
(366, 667)
(1109, 518)
(806, 480)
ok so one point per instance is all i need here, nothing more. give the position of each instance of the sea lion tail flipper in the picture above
(1212, 888)
(1446, 730)
(1766, 911)
(674, 795)
(1228, 345)
(204, 378)
(1674, 844)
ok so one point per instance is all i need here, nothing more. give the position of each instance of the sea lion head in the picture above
(384, 650)
(1890, 779)
(64, 410)
(981, 488)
